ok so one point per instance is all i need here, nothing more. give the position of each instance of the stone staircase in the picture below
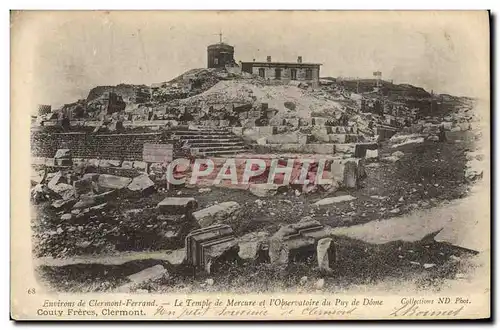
(209, 141)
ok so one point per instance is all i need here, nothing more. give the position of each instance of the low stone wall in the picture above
(262, 131)
(95, 146)
(317, 148)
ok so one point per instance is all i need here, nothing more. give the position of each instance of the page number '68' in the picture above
(31, 291)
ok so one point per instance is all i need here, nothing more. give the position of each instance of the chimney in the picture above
(299, 59)
(269, 58)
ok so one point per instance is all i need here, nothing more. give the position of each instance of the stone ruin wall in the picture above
(95, 146)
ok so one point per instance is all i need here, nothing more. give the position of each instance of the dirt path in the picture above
(115, 259)
(458, 222)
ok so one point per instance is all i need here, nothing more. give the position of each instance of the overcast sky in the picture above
(71, 52)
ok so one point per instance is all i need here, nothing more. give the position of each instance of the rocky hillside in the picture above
(393, 91)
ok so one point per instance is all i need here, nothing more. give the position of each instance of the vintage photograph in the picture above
(279, 154)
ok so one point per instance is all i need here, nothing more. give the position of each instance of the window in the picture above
(216, 61)
(293, 74)
(277, 74)
(309, 74)
(262, 72)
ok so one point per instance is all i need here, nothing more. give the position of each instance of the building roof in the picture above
(283, 63)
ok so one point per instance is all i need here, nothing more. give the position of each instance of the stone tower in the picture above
(220, 55)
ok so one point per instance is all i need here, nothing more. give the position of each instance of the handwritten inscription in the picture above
(423, 307)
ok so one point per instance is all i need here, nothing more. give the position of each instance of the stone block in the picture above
(64, 190)
(263, 189)
(91, 200)
(318, 148)
(140, 165)
(305, 121)
(93, 162)
(361, 148)
(178, 205)
(127, 164)
(265, 130)
(294, 243)
(326, 254)
(237, 130)
(63, 204)
(216, 213)
(146, 275)
(464, 126)
(63, 153)
(38, 160)
(447, 125)
(284, 138)
(348, 148)
(209, 247)
(318, 121)
(109, 163)
(293, 122)
(108, 181)
(254, 246)
(83, 186)
(372, 154)
(142, 184)
(63, 162)
(351, 174)
(337, 138)
(320, 134)
(334, 200)
(78, 161)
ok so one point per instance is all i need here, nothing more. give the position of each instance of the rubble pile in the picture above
(276, 96)
(94, 213)
(459, 125)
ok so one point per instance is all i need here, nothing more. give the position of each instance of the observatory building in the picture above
(220, 55)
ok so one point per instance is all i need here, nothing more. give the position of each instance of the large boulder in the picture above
(141, 184)
(108, 181)
(216, 213)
